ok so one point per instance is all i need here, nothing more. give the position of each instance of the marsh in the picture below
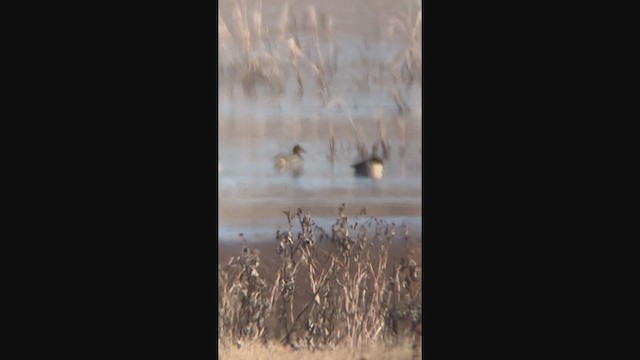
(330, 76)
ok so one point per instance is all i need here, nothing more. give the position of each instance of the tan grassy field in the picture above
(258, 351)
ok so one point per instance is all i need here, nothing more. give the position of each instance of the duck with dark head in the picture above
(372, 167)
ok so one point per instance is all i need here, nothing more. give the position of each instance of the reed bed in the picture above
(297, 53)
(271, 59)
(329, 289)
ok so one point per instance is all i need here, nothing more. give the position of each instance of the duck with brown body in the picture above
(293, 161)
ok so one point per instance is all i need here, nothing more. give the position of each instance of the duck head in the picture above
(298, 150)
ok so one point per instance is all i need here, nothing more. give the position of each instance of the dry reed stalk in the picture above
(223, 30)
(287, 272)
(257, 20)
(403, 108)
(415, 32)
(341, 102)
(311, 22)
(243, 308)
(325, 91)
(296, 54)
(242, 29)
(326, 21)
(310, 18)
(314, 21)
(283, 21)
(294, 23)
(407, 64)
(262, 68)
(257, 66)
(402, 130)
(333, 57)
(332, 143)
(386, 149)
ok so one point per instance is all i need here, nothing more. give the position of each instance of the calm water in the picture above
(252, 130)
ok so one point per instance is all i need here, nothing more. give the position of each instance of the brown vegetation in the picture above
(356, 288)
(270, 60)
(353, 286)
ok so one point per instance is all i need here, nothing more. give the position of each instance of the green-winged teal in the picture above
(372, 168)
(293, 161)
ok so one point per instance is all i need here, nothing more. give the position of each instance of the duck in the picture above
(371, 168)
(293, 161)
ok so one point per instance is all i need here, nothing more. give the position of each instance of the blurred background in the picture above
(336, 77)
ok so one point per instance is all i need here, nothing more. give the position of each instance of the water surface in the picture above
(252, 129)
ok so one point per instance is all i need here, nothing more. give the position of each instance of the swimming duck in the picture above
(293, 161)
(372, 168)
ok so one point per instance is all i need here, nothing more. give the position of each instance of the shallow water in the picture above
(253, 129)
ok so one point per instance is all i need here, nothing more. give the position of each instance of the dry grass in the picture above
(259, 351)
(261, 57)
(336, 289)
